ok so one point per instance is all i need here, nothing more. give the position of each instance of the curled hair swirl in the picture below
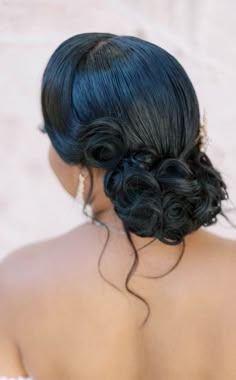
(102, 143)
(166, 198)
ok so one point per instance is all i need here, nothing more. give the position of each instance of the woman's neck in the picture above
(155, 257)
(110, 218)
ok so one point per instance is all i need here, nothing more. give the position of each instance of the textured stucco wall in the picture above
(200, 33)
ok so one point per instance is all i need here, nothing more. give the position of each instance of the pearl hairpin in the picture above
(205, 140)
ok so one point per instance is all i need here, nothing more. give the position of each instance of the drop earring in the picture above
(80, 196)
(80, 192)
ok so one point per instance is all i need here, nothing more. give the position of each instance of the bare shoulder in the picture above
(212, 273)
(29, 254)
(218, 254)
(29, 272)
(40, 295)
(226, 248)
(207, 272)
(214, 244)
(50, 291)
(221, 297)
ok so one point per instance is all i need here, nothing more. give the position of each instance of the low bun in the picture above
(166, 198)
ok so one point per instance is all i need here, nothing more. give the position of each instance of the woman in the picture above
(141, 291)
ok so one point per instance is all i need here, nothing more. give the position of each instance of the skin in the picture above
(60, 320)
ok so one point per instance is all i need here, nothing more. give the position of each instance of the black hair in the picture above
(127, 106)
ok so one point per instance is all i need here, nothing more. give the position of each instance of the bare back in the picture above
(73, 325)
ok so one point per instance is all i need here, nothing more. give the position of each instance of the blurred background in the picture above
(199, 33)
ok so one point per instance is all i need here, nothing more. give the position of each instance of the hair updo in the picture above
(126, 105)
(170, 193)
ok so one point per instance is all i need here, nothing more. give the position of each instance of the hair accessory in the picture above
(80, 192)
(205, 141)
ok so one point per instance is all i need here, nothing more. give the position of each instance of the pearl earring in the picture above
(80, 192)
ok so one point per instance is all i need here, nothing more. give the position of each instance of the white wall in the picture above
(200, 33)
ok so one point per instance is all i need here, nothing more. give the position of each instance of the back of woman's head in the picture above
(126, 105)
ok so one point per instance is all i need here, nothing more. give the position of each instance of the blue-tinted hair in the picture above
(127, 106)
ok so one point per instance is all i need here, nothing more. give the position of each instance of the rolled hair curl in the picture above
(127, 106)
(188, 195)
